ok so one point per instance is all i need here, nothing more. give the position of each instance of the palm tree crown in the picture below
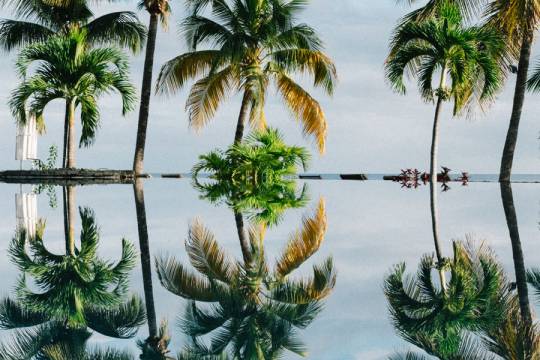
(254, 310)
(43, 19)
(248, 44)
(67, 70)
(468, 55)
(437, 320)
(78, 288)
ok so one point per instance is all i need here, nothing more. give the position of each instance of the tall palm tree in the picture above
(158, 9)
(517, 19)
(66, 70)
(517, 252)
(39, 20)
(467, 56)
(155, 347)
(436, 320)
(254, 310)
(246, 45)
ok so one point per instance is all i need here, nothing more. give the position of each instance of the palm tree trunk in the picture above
(66, 136)
(146, 261)
(69, 219)
(244, 241)
(71, 135)
(517, 252)
(242, 119)
(433, 181)
(519, 99)
(144, 110)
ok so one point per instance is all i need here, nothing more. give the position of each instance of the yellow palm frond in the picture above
(176, 72)
(307, 290)
(305, 108)
(303, 244)
(206, 95)
(206, 255)
(313, 62)
(514, 17)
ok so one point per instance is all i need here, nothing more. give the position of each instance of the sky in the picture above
(371, 128)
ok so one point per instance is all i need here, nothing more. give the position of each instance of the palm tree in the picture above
(436, 320)
(77, 289)
(155, 347)
(468, 56)
(67, 70)
(39, 20)
(158, 9)
(517, 252)
(248, 44)
(518, 20)
(254, 311)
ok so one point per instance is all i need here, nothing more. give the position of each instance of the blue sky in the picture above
(371, 129)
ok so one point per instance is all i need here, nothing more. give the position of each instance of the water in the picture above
(371, 226)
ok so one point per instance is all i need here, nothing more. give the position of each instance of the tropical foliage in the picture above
(65, 70)
(436, 320)
(254, 177)
(76, 289)
(253, 311)
(40, 20)
(243, 46)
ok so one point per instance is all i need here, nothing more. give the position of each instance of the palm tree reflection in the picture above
(480, 316)
(156, 346)
(76, 292)
(244, 309)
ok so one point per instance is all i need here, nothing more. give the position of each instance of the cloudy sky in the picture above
(371, 129)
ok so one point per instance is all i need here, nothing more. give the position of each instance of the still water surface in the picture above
(370, 227)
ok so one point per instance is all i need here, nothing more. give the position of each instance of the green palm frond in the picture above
(13, 315)
(122, 321)
(40, 20)
(120, 28)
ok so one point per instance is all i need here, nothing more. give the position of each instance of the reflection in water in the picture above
(156, 346)
(476, 315)
(244, 309)
(436, 320)
(254, 177)
(75, 292)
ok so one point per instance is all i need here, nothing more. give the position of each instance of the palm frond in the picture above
(305, 243)
(305, 108)
(186, 284)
